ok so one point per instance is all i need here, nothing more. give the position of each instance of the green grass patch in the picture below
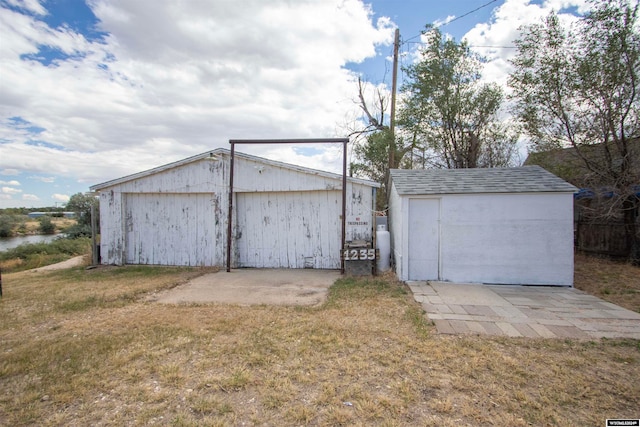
(95, 301)
(33, 255)
(415, 315)
(80, 305)
(127, 272)
(361, 288)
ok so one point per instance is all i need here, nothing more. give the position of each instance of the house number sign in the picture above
(359, 254)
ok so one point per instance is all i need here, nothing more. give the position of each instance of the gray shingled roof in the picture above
(526, 179)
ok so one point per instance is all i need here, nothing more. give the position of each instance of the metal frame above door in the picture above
(343, 141)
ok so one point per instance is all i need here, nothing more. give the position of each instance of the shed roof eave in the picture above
(526, 179)
(472, 193)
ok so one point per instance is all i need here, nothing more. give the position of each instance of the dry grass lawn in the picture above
(83, 347)
(616, 282)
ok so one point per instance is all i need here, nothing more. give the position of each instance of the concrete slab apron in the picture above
(523, 311)
(255, 287)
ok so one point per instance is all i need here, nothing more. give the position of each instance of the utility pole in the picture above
(394, 87)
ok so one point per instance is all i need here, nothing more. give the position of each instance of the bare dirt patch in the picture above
(77, 261)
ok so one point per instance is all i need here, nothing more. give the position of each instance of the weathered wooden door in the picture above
(424, 218)
(170, 229)
(293, 229)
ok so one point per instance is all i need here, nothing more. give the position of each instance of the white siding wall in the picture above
(495, 238)
(112, 249)
(423, 248)
(289, 229)
(360, 203)
(397, 221)
(170, 229)
(208, 178)
(254, 176)
(289, 218)
(204, 177)
(508, 238)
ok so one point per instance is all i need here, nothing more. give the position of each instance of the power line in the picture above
(495, 47)
(476, 46)
(455, 19)
(467, 14)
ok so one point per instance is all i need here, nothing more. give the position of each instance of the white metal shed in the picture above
(499, 226)
(284, 216)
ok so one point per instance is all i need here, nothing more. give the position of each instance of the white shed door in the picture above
(294, 229)
(424, 217)
(170, 229)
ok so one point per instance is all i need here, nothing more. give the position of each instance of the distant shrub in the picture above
(7, 222)
(78, 231)
(46, 226)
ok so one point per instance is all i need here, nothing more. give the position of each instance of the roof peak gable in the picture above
(215, 154)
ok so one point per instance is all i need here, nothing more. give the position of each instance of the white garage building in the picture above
(284, 216)
(500, 226)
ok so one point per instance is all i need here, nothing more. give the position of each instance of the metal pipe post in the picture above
(229, 225)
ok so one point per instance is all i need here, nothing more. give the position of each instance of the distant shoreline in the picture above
(7, 243)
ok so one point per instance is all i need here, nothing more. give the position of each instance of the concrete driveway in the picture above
(254, 286)
(517, 311)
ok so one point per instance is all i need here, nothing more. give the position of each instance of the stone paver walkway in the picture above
(523, 311)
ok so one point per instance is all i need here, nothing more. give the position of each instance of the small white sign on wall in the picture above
(358, 228)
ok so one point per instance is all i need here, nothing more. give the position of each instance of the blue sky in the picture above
(95, 90)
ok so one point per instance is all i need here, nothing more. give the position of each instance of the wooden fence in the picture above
(601, 238)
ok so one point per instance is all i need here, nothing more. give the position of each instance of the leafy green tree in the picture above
(580, 88)
(373, 157)
(372, 160)
(449, 113)
(81, 204)
(448, 119)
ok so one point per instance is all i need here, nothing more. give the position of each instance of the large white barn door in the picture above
(170, 229)
(424, 217)
(293, 229)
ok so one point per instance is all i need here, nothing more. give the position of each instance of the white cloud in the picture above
(9, 172)
(494, 40)
(45, 179)
(581, 6)
(10, 190)
(32, 6)
(60, 197)
(438, 22)
(174, 79)
(13, 183)
(30, 197)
